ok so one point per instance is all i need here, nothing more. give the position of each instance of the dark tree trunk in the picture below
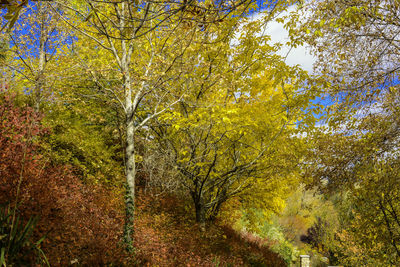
(200, 213)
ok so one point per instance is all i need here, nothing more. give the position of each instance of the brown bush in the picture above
(83, 223)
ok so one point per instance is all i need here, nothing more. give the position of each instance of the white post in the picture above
(304, 261)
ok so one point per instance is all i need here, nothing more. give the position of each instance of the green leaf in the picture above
(2, 257)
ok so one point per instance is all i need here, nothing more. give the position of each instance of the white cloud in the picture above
(299, 55)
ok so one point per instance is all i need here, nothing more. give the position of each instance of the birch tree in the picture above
(35, 42)
(147, 41)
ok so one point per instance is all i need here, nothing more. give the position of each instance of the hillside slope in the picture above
(167, 236)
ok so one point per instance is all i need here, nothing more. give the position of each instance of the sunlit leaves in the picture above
(233, 133)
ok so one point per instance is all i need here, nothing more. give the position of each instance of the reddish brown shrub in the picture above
(83, 223)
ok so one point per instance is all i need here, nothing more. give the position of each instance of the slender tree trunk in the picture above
(215, 211)
(130, 182)
(39, 82)
(130, 161)
(200, 214)
(130, 170)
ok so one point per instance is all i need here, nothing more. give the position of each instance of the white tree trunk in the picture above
(130, 180)
(39, 80)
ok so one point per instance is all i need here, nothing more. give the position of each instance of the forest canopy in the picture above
(174, 133)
